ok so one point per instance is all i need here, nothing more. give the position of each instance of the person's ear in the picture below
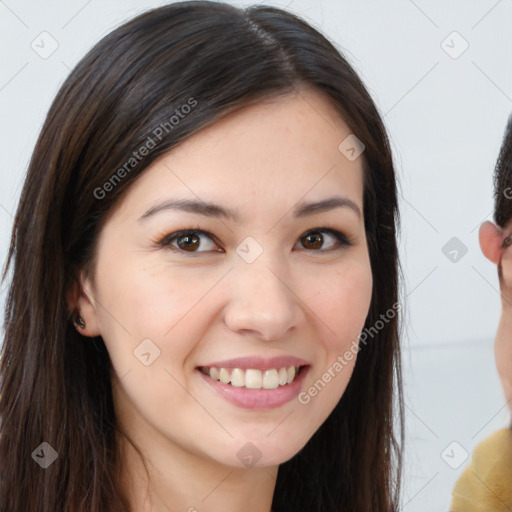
(83, 306)
(491, 238)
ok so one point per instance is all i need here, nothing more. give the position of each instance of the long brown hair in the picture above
(56, 384)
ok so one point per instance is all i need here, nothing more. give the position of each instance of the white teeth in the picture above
(270, 379)
(253, 378)
(290, 373)
(237, 378)
(224, 376)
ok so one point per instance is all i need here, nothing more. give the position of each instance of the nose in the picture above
(262, 302)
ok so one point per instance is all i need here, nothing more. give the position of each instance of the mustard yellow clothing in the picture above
(486, 485)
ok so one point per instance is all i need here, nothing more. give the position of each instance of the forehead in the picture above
(267, 156)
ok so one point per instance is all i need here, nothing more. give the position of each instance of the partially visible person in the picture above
(486, 485)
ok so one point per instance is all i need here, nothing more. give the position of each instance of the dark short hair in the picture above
(503, 179)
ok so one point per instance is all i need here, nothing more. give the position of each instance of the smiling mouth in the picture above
(252, 378)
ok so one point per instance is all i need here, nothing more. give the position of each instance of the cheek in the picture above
(342, 301)
(167, 306)
(155, 311)
(151, 299)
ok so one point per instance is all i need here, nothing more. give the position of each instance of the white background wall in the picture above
(446, 118)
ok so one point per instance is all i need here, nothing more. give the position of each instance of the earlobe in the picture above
(81, 300)
(491, 238)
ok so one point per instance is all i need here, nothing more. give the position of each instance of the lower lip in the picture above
(258, 398)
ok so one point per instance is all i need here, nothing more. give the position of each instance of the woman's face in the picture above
(265, 285)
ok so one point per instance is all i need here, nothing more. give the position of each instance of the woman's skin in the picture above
(300, 298)
(495, 245)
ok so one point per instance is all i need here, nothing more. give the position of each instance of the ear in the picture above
(491, 239)
(81, 297)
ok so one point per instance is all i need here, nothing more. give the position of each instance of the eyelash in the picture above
(166, 241)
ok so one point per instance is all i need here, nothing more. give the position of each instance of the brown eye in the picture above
(314, 240)
(189, 241)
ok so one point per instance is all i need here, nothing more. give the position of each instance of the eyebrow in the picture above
(214, 210)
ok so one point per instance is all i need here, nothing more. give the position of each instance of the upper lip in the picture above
(257, 363)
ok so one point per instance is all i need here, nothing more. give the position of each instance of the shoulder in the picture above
(487, 483)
